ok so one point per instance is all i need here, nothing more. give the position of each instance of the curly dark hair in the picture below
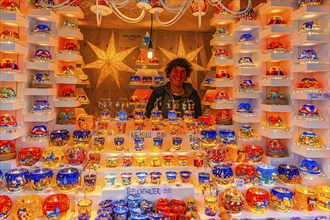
(182, 62)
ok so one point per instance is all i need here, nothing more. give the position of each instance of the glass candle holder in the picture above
(227, 136)
(156, 116)
(183, 160)
(110, 179)
(6, 204)
(185, 176)
(222, 174)
(211, 203)
(203, 180)
(142, 177)
(195, 143)
(246, 172)
(76, 155)
(174, 128)
(146, 206)
(68, 179)
(84, 209)
(282, 199)
(257, 199)
(90, 182)
(171, 176)
(191, 204)
(168, 160)
(94, 160)
(112, 161)
(59, 137)
(98, 144)
(323, 195)
(233, 200)
(163, 202)
(102, 127)
(266, 174)
(121, 127)
(119, 143)
(305, 198)
(133, 201)
(126, 178)
(188, 116)
(122, 115)
(254, 153)
(127, 161)
(158, 144)
(82, 136)
(28, 156)
(209, 135)
(288, 174)
(17, 179)
(198, 159)
(177, 142)
(235, 153)
(155, 161)
(139, 144)
(155, 177)
(56, 206)
(140, 161)
(216, 155)
(41, 178)
(52, 156)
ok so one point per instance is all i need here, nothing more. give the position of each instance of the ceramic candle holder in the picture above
(267, 174)
(288, 174)
(258, 199)
(17, 179)
(282, 199)
(68, 179)
(41, 178)
(305, 198)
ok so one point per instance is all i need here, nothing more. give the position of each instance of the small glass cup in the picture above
(155, 161)
(110, 179)
(171, 176)
(126, 178)
(185, 176)
(210, 205)
(127, 161)
(168, 160)
(305, 199)
(112, 161)
(84, 209)
(94, 160)
(203, 180)
(198, 159)
(282, 199)
(142, 177)
(121, 127)
(119, 143)
(140, 161)
(90, 182)
(183, 161)
(139, 144)
(155, 177)
(266, 174)
(177, 142)
(158, 144)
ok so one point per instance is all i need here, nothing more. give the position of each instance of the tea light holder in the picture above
(68, 179)
(84, 209)
(323, 195)
(258, 199)
(282, 199)
(16, 180)
(41, 178)
(139, 144)
(119, 143)
(90, 182)
(98, 144)
(185, 176)
(155, 177)
(59, 137)
(56, 206)
(222, 174)
(157, 144)
(177, 142)
(305, 199)
(110, 179)
(171, 176)
(254, 153)
(235, 153)
(288, 174)
(267, 174)
(29, 156)
(203, 180)
(82, 137)
(52, 156)
(133, 201)
(210, 208)
(112, 161)
(126, 178)
(140, 161)
(155, 161)
(198, 159)
(142, 178)
(246, 172)
(127, 161)
(233, 200)
(168, 160)
(183, 160)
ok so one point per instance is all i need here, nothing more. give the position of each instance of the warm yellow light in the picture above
(69, 15)
(310, 16)
(275, 10)
(246, 29)
(308, 44)
(43, 44)
(42, 19)
(275, 35)
(10, 24)
(71, 38)
(222, 22)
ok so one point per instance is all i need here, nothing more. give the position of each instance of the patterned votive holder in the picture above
(171, 176)
(84, 209)
(257, 199)
(59, 137)
(126, 178)
(323, 195)
(112, 161)
(155, 177)
(119, 143)
(68, 179)
(168, 160)
(233, 200)
(142, 177)
(288, 174)
(121, 127)
(157, 144)
(139, 144)
(235, 153)
(254, 153)
(120, 212)
(90, 182)
(110, 179)
(127, 161)
(211, 204)
(267, 174)
(305, 198)
(11, 179)
(155, 161)
(183, 160)
(185, 176)
(177, 142)
(41, 178)
(247, 172)
(222, 174)
(94, 160)
(203, 180)
(198, 159)
(282, 199)
(140, 161)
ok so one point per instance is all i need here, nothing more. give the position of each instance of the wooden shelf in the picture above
(275, 31)
(310, 39)
(42, 40)
(42, 15)
(40, 91)
(13, 19)
(310, 12)
(39, 118)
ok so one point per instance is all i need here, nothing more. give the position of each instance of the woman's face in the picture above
(178, 75)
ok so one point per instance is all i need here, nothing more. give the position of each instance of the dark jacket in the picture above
(164, 92)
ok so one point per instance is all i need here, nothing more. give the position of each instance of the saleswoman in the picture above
(176, 94)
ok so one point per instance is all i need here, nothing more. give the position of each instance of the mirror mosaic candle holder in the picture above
(246, 172)
(56, 206)
(142, 178)
(126, 178)
(177, 142)
(41, 178)
(323, 195)
(305, 199)
(185, 176)
(233, 200)
(282, 199)
(16, 180)
(222, 174)
(28, 156)
(119, 143)
(155, 177)
(84, 209)
(267, 174)
(288, 174)
(183, 160)
(235, 153)
(254, 153)
(112, 161)
(258, 199)
(68, 179)
(59, 137)
(110, 179)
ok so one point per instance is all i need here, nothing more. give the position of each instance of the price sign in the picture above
(150, 192)
(318, 96)
(148, 134)
(239, 182)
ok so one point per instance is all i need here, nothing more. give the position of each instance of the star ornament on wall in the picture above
(109, 61)
(182, 54)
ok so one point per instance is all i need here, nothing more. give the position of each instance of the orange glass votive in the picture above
(323, 195)
(257, 199)
(168, 160)
(305, 198)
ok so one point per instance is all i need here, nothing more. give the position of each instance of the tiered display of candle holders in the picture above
(217, 166)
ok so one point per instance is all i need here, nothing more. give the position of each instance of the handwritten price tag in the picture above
(318, 96)
(147, 134)
(239, 182)
(150, 191)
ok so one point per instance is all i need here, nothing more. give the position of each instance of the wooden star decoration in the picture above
(182, 54)
(109, 61)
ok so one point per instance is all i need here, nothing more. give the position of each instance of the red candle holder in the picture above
(179, 210)
(56, 206)
(254, 153)
(257, 199)
(6, 205)
(163, 202)
(29, 156)
(246, 172)
(170, 216)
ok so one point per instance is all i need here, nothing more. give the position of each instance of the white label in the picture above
(239, 182)
(150, 192)
(318, 96)
(148, 134)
